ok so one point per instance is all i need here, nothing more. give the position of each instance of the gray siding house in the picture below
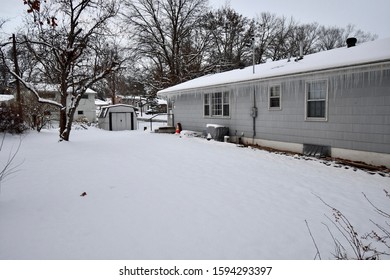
(337, 99)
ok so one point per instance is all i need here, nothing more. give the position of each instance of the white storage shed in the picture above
(118, 117)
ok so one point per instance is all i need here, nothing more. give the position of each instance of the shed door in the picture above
(121, 121)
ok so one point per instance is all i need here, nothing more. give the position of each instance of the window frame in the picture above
(206, 104)
(216, 104)
(325, 100)
(271, 108)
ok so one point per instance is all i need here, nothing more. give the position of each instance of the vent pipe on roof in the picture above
(300, 51)
(351, 42)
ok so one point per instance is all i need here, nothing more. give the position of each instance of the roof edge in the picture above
(323, 70)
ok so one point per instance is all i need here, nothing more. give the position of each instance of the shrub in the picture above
(37, 115)
(10, 119)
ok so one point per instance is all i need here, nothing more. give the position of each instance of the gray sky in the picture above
(11, 10)
(368, 15)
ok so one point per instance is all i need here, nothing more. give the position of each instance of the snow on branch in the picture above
(32, 89)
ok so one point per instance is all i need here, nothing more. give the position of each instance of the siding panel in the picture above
(358, 111)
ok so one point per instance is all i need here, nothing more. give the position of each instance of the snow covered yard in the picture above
(153, 196)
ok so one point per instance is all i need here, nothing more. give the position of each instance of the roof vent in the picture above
(351, 42)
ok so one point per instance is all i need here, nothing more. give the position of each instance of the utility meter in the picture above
(254, 112)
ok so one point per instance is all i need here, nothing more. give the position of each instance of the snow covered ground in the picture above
(155, 196)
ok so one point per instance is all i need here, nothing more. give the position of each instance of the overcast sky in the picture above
(368, 15)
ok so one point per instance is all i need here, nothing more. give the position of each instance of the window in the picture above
(80, 112)
(316, 100)
(207, 104)
(274, 97)
(217, 104)
(225, 104)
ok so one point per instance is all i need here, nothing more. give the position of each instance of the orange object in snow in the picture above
(178, 128)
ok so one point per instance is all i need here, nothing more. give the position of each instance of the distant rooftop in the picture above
(55, 88)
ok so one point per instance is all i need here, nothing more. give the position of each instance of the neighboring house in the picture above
(99, 105)
(145, 105)
(134, 100)
(336, 101)
(162, 105)
(86, 108)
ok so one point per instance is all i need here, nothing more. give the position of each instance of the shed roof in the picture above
(99, 102)
(119, 105)
(365, 53)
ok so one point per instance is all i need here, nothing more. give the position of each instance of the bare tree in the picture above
(64, 39)
(281, 45)
(304, 38)
(266, 28)
(362, 36)
(330, 38)
(163, 33)
(335, 37)
(230, 39)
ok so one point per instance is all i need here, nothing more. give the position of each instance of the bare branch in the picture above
(381, 212)
(8, 168)
(314, 242)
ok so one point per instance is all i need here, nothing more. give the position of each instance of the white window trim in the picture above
(204, 104)
(280, 98)
(314, 119)
(210, 98)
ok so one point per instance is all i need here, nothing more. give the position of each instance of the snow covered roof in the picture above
(161, 101)
(133, 97)
(99, 102)
(119, 105)
(6, 97)
(369, 52)
(56, 88)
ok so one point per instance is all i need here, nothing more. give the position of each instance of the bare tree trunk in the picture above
(17, 82)
(69, 53)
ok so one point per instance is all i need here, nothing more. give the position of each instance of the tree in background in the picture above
(71, 43)
(335, 37)
(64, 37)
(167, 37)
(230, 39)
